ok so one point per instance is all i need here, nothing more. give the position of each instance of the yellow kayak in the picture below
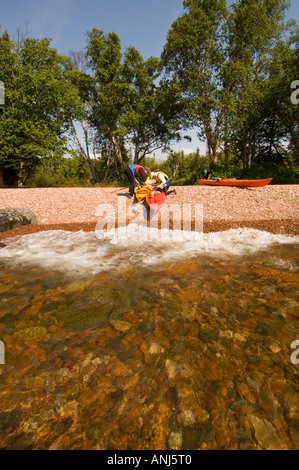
(142, 191)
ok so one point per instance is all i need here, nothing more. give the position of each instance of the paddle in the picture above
(121, 189)
(118, 189)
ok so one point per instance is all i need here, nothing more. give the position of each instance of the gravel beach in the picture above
(273, 208)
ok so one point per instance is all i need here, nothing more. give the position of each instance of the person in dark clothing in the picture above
(133, 171)
(206, 173)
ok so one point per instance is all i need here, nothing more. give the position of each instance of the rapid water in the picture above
(85, 253)
(121, 342)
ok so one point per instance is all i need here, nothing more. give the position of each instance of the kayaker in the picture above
(206, 173)
(132, 171)
(163, 180)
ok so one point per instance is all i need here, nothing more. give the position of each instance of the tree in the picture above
(130, 110)
(84, 146)
(258, 54)
(39, 105)
(194, 54)
(230, 65)
(149, 122)
(176, 163)
(108, 93)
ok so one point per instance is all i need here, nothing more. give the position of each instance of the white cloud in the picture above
(186, 151)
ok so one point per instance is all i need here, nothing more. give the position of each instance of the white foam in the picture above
(88, 253)
(283, 264)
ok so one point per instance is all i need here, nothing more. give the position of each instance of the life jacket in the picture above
(161, 173)
(135, 169)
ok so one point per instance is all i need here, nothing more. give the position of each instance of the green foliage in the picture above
(194, 56)
(234, 68)
(280, 174)
(57, 172)
(262, 58)
(147, 123)
(226, 70)
(39, 103)
(191, 166)
(69, 172)
(127, 108)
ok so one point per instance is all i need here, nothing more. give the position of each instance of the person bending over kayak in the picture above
(132, 171)
(163, 180)
(206, 173)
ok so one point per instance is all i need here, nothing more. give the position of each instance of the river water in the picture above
(119, 342)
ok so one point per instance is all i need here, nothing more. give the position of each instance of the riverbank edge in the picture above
(281, 227)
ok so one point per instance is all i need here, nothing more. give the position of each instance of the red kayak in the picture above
(239, 183)
(155, 199)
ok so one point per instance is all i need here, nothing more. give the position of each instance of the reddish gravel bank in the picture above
(274, 208)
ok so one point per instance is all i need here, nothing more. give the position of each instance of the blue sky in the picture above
(141, 23)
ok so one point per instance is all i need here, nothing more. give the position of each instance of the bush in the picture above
(70, 172)
(57, 172)
(280, 174)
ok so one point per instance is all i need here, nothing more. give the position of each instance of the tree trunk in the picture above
(226, 152)
(136, 153)
(8, 178)
(117, 150)
(214, 155)
(249, 159)
(245, 155)
(212, 147)
(226, 155)
(85, 152)
(108, 162)
(272, 133)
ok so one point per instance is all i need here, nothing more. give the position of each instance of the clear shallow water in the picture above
(120, 344)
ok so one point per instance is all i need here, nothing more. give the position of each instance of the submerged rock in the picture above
(208, 335)
(121, 325)
(195, 436)
(187, 418)
(171, 368)
(295, 437)
(9, 421)
(175, 440)
(12, 217)
(266, 434)
(275, 348)
(30, 333)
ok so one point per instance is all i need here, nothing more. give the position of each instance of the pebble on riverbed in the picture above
(203, 366)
